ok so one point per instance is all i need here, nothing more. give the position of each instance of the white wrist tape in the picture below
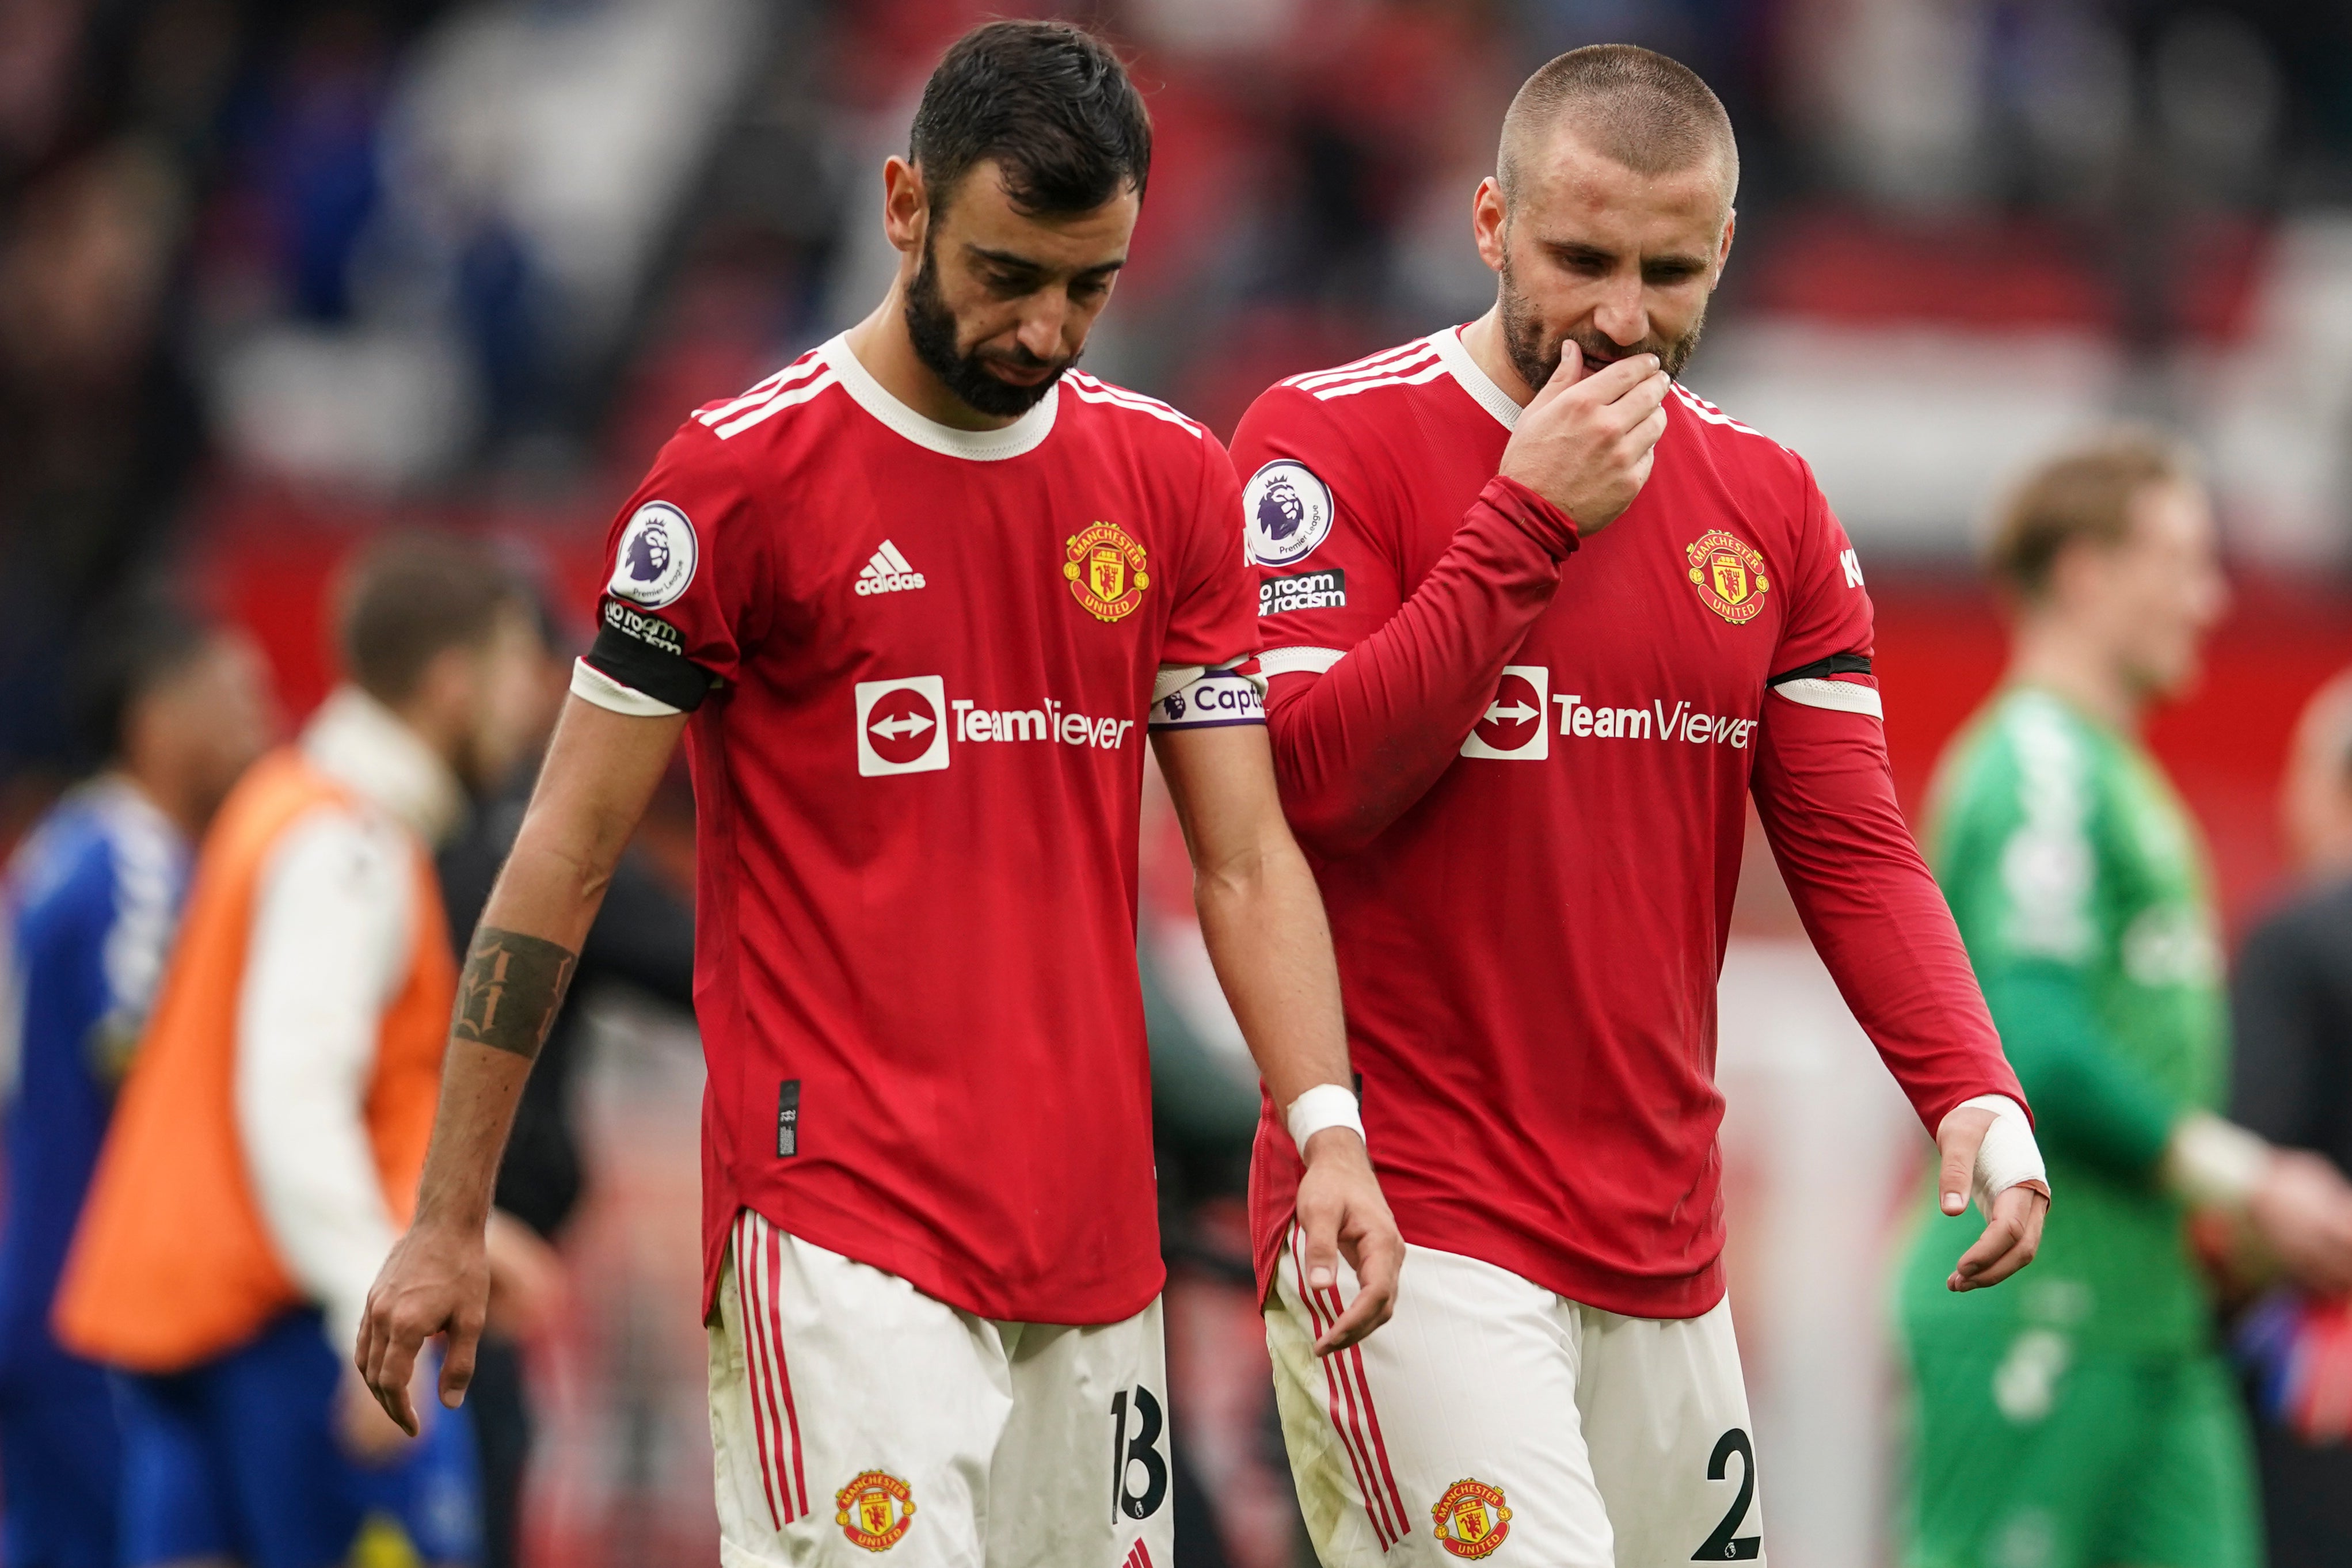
(1324, 1106)
(2213, 1164)
(2007, 1157)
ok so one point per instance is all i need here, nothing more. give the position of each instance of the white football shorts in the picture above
(1491, 1419)
(857, 1420)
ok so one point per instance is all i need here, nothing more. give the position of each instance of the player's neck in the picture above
(887, 349)
(1484, 339)
(171, 791)
(2056, 659)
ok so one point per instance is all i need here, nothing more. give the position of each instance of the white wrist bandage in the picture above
(1325, 1105)
(2007, 1157)
(2213, 1164)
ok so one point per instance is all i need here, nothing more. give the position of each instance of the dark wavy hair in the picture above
(1048, 102)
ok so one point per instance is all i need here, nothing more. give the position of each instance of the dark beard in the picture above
(932, 327)
(1535, 358)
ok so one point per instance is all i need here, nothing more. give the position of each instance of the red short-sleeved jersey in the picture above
(1529, 953)
(930, 657)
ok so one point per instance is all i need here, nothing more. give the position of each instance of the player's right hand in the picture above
(1342, 1214)
(2301, 1211)
(1586, 442)
(436, 1281)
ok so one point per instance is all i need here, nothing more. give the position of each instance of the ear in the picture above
(1723, 251)
(1489, 222)
(905, 205)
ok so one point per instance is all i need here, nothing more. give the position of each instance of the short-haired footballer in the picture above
(1517, 750)
(916, 600)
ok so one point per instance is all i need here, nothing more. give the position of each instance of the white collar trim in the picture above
(1023, 434)
(361, 744)
(1473, 381)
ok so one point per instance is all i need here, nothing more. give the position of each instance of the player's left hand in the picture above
(2012, 1232)
(1342, 1214)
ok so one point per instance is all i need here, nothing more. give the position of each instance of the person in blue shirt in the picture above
(174, 708)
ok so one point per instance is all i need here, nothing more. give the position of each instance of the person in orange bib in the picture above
(265, 1152)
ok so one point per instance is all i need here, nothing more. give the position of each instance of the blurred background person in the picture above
(172, 709)
(269, 1136)
(643, 938)
(2292, 1083)
(2088, 1419)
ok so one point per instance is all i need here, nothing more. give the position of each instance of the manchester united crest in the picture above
(1105, 568)
(874, 1509)
(1728, 574)
(1470, 1519)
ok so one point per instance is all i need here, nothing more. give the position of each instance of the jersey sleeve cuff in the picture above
(629, 656)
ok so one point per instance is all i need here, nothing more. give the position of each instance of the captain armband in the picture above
(1208, 696)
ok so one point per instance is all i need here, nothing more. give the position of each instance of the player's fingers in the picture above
(1617, 380)
(390, 1379)
(1322, 1231)
(1565, 374)
(464, 1340)
(1982, 1264)
(1375, 1300)
(364, 1352)
(1957, 1141)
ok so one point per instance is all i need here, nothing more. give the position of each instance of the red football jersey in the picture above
(1530, 951)
(922, 663)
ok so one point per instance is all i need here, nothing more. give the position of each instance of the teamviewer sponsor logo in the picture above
(887, 572)
(1512, 727)
(899, 728)
(1303, 591)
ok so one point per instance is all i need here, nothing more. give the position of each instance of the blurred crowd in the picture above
(280, 277)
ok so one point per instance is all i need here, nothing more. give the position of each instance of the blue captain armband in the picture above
(1208, 696)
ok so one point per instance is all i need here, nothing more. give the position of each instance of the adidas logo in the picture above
(887, 572)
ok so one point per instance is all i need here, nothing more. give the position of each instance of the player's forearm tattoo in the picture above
(509, 991)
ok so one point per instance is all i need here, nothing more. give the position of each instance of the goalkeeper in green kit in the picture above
(2085, 1417)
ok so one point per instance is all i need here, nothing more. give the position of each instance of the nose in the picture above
(1621, 315)
(1042, 317)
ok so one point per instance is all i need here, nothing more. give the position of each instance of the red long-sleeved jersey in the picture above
(1520, 766)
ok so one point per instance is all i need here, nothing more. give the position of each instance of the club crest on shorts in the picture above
(1728, 574)
(1104, 565)
(1470, 1519)
(874, 1509)
(655, 559)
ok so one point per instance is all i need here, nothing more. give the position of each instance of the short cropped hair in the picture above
(1651, 113)
(2084, 495)
(141, 639)
(408, 598)
(1049, 103)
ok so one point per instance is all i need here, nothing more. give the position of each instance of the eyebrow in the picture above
(1019, 263)
(1580, 254)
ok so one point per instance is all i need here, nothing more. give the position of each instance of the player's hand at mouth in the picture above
(1586, 441)
(436, 1281)
(1342, 1215)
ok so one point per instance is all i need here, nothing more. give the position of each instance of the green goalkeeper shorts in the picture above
(2037, 1454)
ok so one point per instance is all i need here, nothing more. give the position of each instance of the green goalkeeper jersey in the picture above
(2078, 882)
